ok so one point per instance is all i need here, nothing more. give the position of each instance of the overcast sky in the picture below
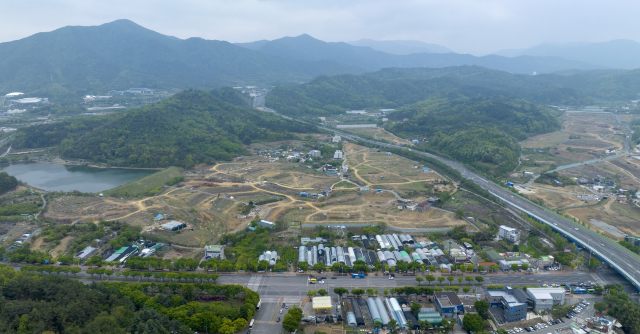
(465, 26)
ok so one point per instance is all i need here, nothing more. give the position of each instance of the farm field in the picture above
(545, 140)
(379, 134)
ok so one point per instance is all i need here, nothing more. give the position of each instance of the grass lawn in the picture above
(144, 184)
(344, 184)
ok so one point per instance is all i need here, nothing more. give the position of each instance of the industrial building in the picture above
(214, 252)
(448, 304)
(513, 302)
(509, 233)
(546, 298)
(322, 303)
(337, 154)
(174, 226)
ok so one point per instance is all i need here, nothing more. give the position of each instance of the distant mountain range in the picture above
(307, 48)
(402, 47)
(621, 53)
(121, 54)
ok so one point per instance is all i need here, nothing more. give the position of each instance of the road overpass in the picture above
(619, 258)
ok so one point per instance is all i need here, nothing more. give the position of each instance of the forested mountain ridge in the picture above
(189, 128)
(483, 132)
(394, 88)
(121, 54)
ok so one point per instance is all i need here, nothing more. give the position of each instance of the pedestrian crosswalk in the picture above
(254, 282)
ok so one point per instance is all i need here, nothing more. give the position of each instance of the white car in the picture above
(390, 277)
(576, 229)
(321, 282)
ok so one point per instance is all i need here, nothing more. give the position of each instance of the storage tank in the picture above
(382, 311)
(382, 258)
(351, 320)
(302, 252)
(397, 310)
(274, 257)
(340, 255)
(405, 256)
(352, 255)
(357, 312)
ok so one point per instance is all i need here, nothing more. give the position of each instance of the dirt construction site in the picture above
(585, 136)
(211, 199)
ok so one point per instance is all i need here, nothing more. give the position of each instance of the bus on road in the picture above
(251, 324)
(259, 303)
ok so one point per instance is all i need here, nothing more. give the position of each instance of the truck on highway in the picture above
(357, 275)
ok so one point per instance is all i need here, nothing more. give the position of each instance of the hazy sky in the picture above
(467, 26)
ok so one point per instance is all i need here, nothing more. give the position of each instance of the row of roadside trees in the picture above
(179, 276)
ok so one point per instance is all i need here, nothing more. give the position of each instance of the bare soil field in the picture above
(556, 200)
(631, 165)
(625, 217)
(562, 151)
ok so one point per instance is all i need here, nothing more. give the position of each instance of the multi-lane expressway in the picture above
(618, 257)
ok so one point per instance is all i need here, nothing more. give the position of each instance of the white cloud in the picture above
(473, 26)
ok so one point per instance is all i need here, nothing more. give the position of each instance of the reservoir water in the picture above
(58, 177)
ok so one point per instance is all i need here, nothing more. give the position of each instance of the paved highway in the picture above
(621, 259)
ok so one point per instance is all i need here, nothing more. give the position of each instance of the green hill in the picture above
(483, 132)
(189, 128)
(395, 88)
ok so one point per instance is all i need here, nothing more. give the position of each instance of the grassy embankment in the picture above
(145, 184)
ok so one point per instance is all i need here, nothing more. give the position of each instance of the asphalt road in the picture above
(625, 262)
